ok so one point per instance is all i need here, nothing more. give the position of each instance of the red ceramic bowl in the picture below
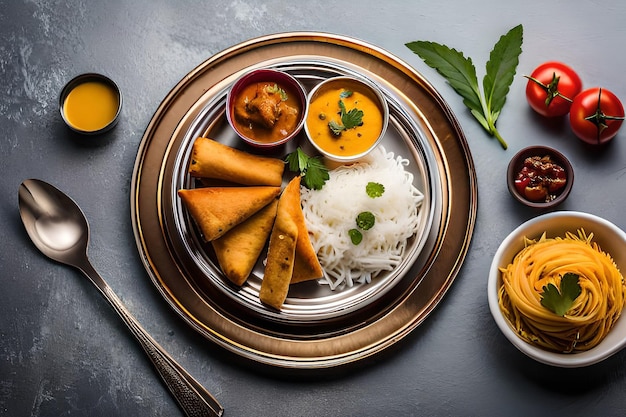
(516, 164)
(257, 90)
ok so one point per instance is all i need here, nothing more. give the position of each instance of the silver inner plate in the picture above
(311, 302)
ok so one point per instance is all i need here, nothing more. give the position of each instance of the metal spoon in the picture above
(58, 227)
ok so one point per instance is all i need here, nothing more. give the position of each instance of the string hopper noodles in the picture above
(589, 316)
(330, 214)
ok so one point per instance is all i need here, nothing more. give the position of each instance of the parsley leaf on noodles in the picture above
(559, 302)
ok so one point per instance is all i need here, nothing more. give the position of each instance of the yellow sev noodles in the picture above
(545, 261)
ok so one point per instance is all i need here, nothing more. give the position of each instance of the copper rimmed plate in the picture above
(307, 303)
(318, 328)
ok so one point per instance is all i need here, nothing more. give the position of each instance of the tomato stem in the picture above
(599, 118)
(552, 89)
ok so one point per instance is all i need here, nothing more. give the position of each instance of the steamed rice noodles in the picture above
(330, 215)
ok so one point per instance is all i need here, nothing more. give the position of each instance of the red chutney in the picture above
(540, 179)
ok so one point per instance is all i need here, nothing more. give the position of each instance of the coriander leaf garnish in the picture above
(345, 94)
(314, 172)
(559, 302)
(273, 89)
(297, 160)
(460, 73)
(355, 236)
(349, 119)
(365, 220)
(374, 189)
(335, 127)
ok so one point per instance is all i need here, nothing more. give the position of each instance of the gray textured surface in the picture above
(64, 352)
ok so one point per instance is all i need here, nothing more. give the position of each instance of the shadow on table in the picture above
(567, 382)
(335, 373)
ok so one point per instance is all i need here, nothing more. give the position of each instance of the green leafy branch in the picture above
(314, 172)
(460, 73)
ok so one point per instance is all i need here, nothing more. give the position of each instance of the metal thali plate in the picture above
(318, 327)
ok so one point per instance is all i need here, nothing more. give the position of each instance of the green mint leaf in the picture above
(374, 189)
(559, 302)
(365, 220)
(313, 171)
(501, 69)
(460, 73)
(355, 236)
(481, 119)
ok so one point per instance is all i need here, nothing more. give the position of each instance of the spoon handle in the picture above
(192, 397)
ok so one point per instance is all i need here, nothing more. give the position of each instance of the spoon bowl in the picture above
(59, 229)
(55, 224)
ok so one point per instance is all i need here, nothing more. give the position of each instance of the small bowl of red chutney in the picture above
(540, 177)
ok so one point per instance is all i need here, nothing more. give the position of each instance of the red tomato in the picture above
(551, 88)
(596, 115)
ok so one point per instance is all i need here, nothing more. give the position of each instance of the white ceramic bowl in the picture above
(610, 238)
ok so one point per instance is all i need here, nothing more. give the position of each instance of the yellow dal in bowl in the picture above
(324, 108)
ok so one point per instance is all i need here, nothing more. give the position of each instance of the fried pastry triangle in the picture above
(216, 210)
(306, 266)
(211, 159)
(238, 249)
(280, 259)
(291, 257)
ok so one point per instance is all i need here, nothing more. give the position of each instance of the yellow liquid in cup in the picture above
(354, 141)
(91, 106)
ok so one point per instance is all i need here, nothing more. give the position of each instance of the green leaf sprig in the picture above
(559, 302)
(460, 73)
(275, 89)
(349, 118)
(314, 172)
